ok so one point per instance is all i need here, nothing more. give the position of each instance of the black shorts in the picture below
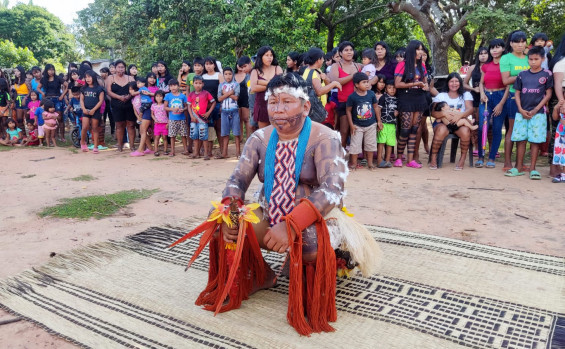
(341, 106)
(96, 116)
(411, 100)
(123, 112)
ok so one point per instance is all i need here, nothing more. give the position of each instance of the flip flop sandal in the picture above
(558, 179)
(513, 172)
(479, 164)
(458, 168)
(535, 175)
(432, 167)
(491, 164)
(166, 153)
(171, 155)
(382, 164)
(206, 158)
(156, 153)
(359, 166)
(506, 169)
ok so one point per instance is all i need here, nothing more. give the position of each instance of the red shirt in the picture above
(399, 71)
(330, 119)
(346, 89)
(199, 102)
(493, 78)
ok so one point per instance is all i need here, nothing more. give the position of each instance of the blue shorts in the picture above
(20, 102)
(533, 130)
(59, 105)
(230, 122)
(511, 107)
(146, 115)
(198, 131)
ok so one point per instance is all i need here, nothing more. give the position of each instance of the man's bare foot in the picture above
(270, 280)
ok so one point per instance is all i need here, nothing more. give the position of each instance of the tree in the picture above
(439, 21)
(358, 15)
(11, 56)
(546, 16)
(42, 32)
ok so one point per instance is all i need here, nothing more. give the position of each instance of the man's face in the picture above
(287, 112)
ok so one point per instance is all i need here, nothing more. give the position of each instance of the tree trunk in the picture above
(331, 38)
(438, 50)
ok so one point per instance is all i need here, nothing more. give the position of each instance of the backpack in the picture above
(317, 111)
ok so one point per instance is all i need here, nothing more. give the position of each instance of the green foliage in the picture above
(546, 16)
(42, 32)
(97, 206)
(83, 178)
(11, 56)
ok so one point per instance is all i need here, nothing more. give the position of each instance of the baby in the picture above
(461, 122)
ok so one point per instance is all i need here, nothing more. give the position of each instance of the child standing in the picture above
(33, 104)
(533, 90)
(74, 105)
(91, 99)
(202, 104)
(40, 123)
(175, 104)
(145, 101)
(380, 86)
(387, 111)
(228, 94)
(50, 116)
(159, 115)
(363, 126)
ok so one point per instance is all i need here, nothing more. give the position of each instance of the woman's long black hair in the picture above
(461, 89)
(259, 61)
(477, 62)
(411, 63)
(388, 55)
(495, 43)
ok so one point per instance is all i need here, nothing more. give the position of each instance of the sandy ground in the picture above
(479, 205)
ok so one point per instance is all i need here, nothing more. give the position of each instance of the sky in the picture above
(64, 9)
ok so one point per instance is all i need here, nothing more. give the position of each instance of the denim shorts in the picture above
(57, 103)
(230, 122)
(198, 131)
(511, 107)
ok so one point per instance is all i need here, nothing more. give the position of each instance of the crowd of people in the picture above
(377, 99)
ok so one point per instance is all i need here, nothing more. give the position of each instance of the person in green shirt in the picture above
(511, 64)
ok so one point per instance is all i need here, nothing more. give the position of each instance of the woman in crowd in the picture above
(511, 64)
(50, 88)
(459, 105)
(471, 84)
(132, 71)
(292, 62)
(314, 59)
(212, 79)
(493, 94)
(117, 87)
(243, 67)
(410, 80)
(423, 132)
(386, 63)
(265, 69)
(163, 76)
(342, 71)
(21, 90)
(557, 65)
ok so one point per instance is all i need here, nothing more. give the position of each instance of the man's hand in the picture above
(230, 234)
(276, 238)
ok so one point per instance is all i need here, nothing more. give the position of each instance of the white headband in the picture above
(293, 91)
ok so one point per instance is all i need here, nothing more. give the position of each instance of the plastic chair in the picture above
(454, 145)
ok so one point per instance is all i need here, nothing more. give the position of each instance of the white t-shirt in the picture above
(456, 104)
(560, 68)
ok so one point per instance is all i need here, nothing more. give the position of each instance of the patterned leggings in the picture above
(409, 124)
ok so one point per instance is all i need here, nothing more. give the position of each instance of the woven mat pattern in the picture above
(431, 292)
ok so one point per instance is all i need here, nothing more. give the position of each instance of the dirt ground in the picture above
(479, 205)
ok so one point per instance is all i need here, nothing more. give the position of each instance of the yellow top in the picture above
(21, 89)
(324, 97)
